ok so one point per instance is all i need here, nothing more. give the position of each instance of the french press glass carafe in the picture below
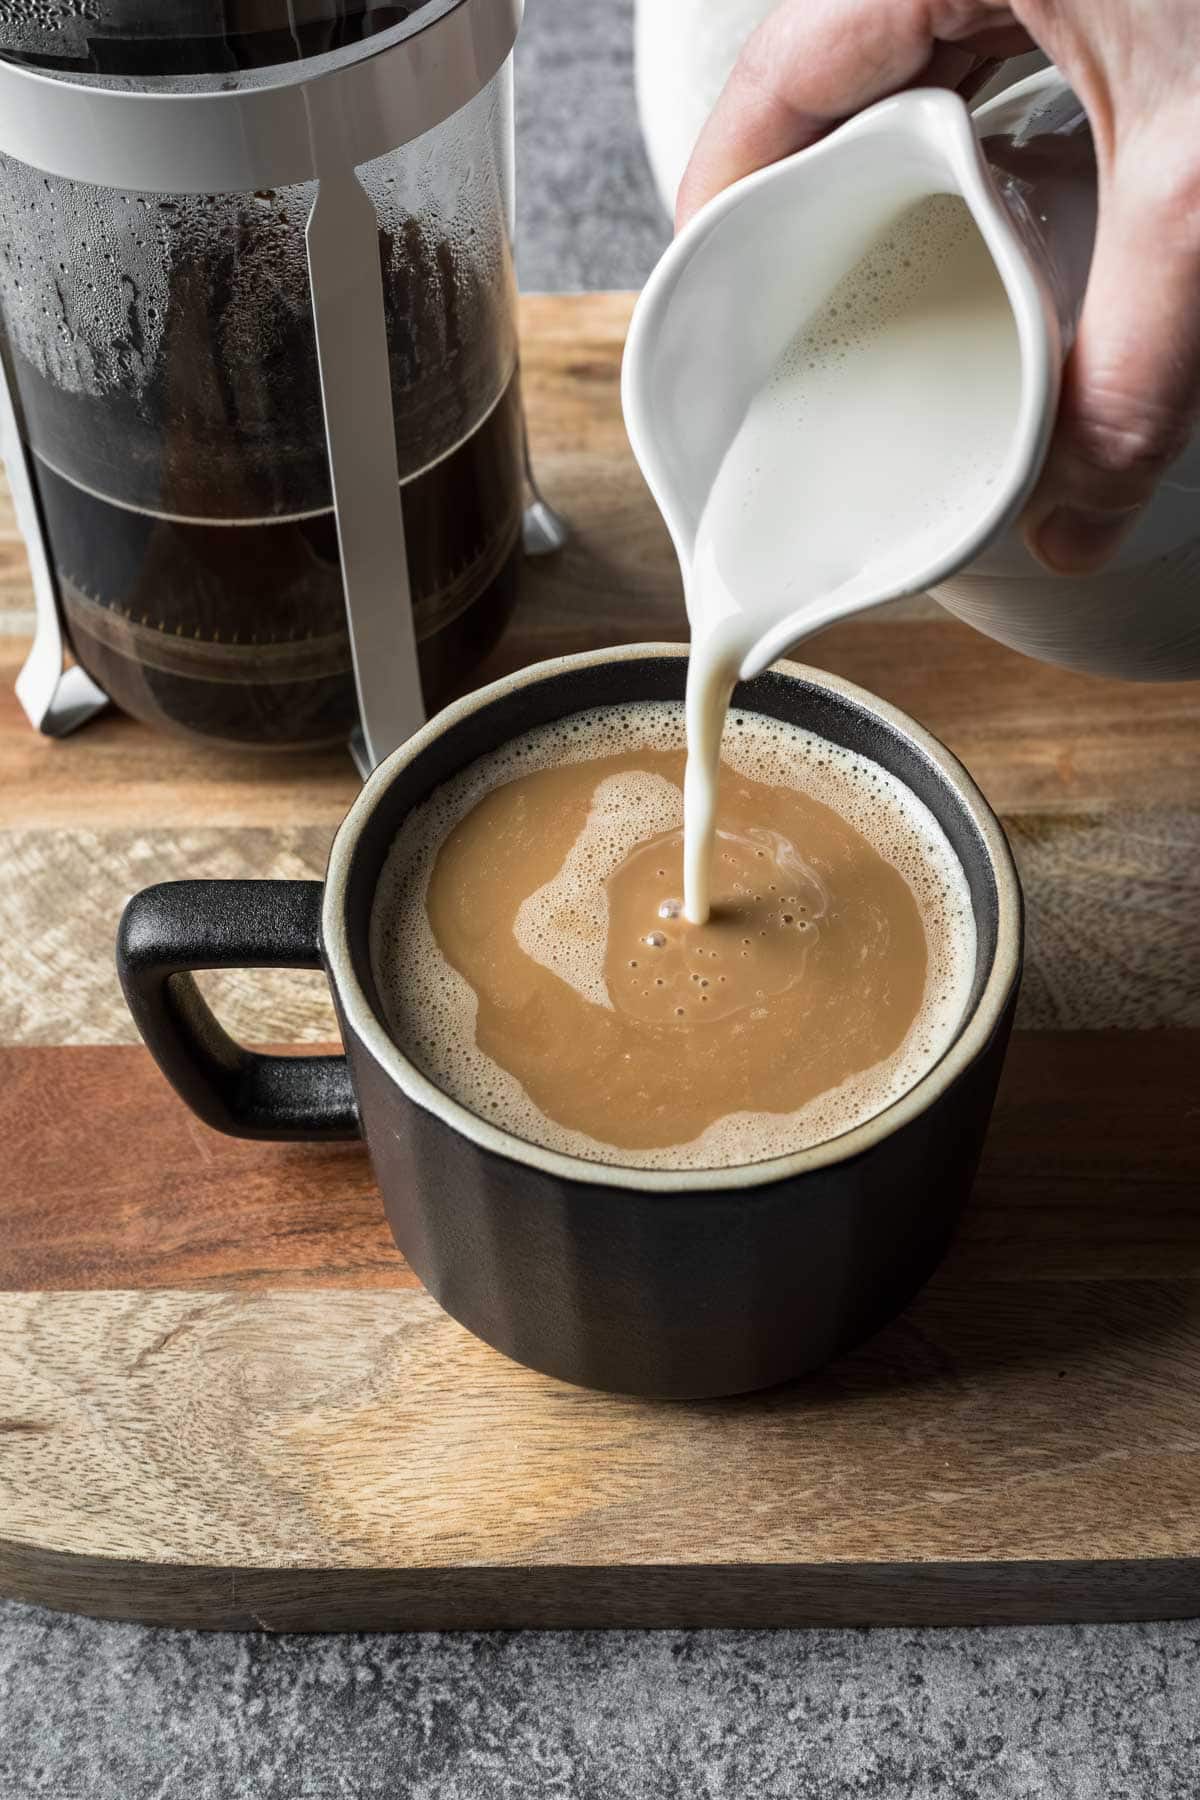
(258, 316)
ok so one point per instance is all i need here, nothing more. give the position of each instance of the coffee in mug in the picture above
(531, 951)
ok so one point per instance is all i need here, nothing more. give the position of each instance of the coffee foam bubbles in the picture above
(431, 1010)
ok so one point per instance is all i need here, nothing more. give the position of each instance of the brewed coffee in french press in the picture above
(259, 332)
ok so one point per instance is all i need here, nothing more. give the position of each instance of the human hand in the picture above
(1131, 392)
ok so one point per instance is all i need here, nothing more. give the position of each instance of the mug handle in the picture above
(168, 931)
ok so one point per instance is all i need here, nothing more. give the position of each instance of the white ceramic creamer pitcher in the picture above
(742, 279)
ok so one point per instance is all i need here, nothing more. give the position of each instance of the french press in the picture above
(261, 413)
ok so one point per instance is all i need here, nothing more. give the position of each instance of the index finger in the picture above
(813, 63)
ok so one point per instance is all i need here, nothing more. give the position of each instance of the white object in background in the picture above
(683, 51)
(759, 261)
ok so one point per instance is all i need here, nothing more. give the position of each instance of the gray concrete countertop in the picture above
(92, 1711)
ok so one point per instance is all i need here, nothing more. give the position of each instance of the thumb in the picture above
(1131, 392)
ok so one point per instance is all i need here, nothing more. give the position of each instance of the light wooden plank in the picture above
(225, 1437)
(1113, 924)
(61, 895)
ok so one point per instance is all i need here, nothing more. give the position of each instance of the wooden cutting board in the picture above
(224, 1398)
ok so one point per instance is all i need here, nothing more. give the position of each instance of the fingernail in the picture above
(1076, 540)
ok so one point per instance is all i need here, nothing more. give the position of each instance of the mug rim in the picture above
(970, 1042)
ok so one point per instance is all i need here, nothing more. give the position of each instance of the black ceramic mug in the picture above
(683, 1283)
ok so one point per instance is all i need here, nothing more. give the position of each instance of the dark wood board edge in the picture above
(585, 1598)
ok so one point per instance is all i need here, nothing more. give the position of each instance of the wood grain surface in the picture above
(225, 1400)
(985, 1437)
(1091, 1173)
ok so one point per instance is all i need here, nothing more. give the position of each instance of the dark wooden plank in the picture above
(1091, 1173)
(568, 1597)
(110, 1182)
